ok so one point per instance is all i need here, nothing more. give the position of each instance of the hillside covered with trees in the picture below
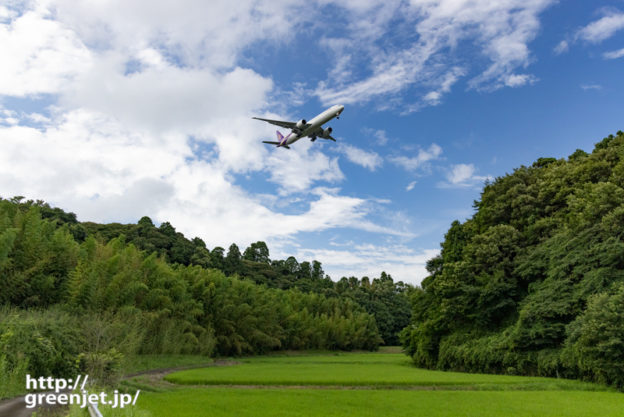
(84, 297)
(385, 299)
(533, 282)
(71, 305)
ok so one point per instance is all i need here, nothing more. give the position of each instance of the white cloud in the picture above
(586, 87)
(39, 55)
(166, 97)
(380, 135)
(518, 80)
(368, 160)
(463, 175)
(614, 54)
(501, 30)
(297, 168)
(460, 173)
(444, 84)
(596, 32)
(195, 33)
(413, 163)
(561, 47)
(403, 263)
(603, 28)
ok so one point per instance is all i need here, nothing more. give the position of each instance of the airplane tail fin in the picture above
(281, 141)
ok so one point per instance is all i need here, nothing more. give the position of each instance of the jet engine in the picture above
(301, 124)
(327, 131)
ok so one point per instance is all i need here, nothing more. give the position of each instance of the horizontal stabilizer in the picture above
(276, 143)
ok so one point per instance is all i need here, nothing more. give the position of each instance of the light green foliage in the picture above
(353, 369)
(340, 403)
(13, 376)
(99, 303)
(35, 257)
(370, 384)
(385, 300)
(47, 342)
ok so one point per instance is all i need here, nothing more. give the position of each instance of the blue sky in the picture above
(115, 111)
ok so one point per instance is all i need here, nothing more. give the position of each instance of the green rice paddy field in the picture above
(368, 384)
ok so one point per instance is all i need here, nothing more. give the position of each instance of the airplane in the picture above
(301, 129)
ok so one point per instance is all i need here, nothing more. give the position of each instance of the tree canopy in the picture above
(521, 286)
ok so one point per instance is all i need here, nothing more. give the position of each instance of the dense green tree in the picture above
(257, 252)
(232, 262)
(531, 283)
(595, 345)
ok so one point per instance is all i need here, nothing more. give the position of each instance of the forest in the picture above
(84, 297)
(533, 282)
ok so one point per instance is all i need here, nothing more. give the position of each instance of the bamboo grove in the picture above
(68, 305)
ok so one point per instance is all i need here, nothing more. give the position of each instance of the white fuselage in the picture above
(315, 124)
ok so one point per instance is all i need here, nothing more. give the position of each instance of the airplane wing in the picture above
(323, 136)
(287, 125)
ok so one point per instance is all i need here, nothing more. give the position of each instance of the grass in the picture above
(218, 402)
(141, 363)
(360, 369)
(359, 384)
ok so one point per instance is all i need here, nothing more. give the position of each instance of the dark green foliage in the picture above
(596, 339)
(386, 300)
(533, 271)
(257, 252)
(232, 263)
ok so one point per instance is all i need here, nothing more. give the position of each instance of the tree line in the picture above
(533, 282)
(72, 302)
(382, 297)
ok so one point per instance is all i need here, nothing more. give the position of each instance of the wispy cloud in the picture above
(614, 54)
(561, 47)
(596, 32)
(444, 84)
(603, 28)
(380, 136)
(424, 62)
(366, 159)
(411, 186)
(586, 87)
(413, 163)
(463, 175)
